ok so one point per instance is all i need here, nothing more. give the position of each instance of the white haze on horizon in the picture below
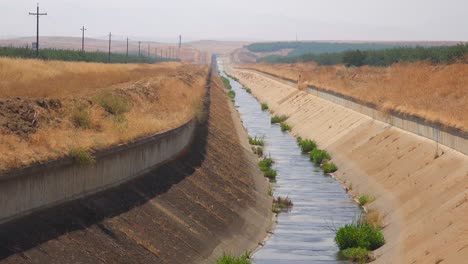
(251, 20)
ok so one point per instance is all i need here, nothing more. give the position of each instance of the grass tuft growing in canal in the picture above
(256, 141)
(365, 199)
(356, 240)
(226, 82)
(319, 156)
(307, 145)
(285, 127)
(329, 167)
(232, 95)
(258, 150)
(358, 255)
(278, 119)
(265, 166)
(264, 106)
(227, 259)
(281, 204)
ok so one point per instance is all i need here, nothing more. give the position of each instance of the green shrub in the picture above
(329, 167)
(270, 174)
(248, 90)
(265, 166)
(226, 83)
(232, 94)
(285, 127)
(306, 145)
(365, 199)
(359, 255)
(264, 106)
(226, 259)
(112, 103)
(359, 236)
(256, 141)
(278, 119)
(82, 156)
(81, 117)
(318, 156)
(281, 204)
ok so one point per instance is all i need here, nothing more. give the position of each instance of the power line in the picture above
(83, 29)
(37, 14)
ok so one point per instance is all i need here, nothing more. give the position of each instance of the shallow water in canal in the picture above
(305, 234)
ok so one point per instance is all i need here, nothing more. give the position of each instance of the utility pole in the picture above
(148, 50)
(126, 57)
(156, 53)
(139, 48)
(83, 29)
(180, 41)
(37, 14)
(161, 51)
(110, 41)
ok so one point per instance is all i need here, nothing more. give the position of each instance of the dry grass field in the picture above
(48, 109)
(434, 92)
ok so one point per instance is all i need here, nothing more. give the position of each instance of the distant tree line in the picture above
(301, 48)
(74, 55)
(385, 57)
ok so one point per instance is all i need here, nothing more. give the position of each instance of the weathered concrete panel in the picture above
(45, 185)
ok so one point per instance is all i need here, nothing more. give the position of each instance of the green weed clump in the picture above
(281, 204)
(232, 94)
(265, 166)
(112, 103)
(264, 106)
(256, 141)
(227, 259)
(82, 156)
(226, 83)
(318, 156)
(81, 117)
(285, 127)
(278, 119)
(365, 199)
(306, 145)
(359, 235)
(358, 255)
(329, 167)
(248, 90)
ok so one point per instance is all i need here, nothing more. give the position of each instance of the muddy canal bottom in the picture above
(305, 234)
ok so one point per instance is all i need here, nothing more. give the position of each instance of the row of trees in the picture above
(74, 55)
(385, 57)
(301, 48)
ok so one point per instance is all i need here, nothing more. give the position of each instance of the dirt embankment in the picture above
(49, 108)
(436, 93)
(209, 201)
(421, 188)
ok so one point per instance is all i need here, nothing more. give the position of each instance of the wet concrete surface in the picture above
(321, 205)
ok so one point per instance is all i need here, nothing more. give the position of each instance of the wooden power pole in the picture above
(110, 43)
(83, 29)
(37, 14)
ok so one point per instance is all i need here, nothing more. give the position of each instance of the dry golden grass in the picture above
(436, 93)
(160, 97)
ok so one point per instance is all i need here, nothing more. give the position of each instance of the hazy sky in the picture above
(243, 19)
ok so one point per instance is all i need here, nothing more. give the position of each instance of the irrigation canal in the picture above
(305, 234)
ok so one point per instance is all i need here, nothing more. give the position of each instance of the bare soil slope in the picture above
(421, 189)
(191, 210)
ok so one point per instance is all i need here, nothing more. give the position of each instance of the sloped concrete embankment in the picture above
(421, 187)
(211, 200)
